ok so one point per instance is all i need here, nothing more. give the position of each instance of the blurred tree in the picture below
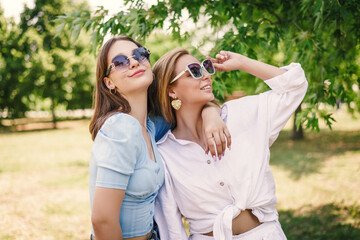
(13, 62)
(323, 35)
(58, 71)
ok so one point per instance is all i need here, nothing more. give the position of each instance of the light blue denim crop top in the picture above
(120, 160)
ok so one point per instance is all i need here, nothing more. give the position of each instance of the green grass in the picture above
(44, 177)
(43, 183)
(318, 183)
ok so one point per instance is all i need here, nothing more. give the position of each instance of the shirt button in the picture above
(222, 183)
(150, 212)
(208, 161)
(150, 224)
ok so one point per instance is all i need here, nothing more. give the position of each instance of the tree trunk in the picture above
(297, 134)
(53, 113)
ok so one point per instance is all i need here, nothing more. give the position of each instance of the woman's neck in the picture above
(189, 125)
(138, 104)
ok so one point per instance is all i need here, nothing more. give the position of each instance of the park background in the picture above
(47, 71)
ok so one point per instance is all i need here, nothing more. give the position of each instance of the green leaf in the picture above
(75, 33)
(59, 29)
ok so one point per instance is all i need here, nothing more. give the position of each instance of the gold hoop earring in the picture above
(176, 103)
(111, 92)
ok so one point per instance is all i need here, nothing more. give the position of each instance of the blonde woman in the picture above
(233, 198)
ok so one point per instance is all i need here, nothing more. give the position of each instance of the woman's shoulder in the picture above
(242, 109)
(120, 125)
(242, 104)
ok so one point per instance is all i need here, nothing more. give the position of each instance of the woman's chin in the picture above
(210, 98)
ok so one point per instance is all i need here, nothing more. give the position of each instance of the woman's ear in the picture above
(171, 92)
(109, 84)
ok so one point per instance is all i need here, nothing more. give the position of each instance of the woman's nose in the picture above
(206, 75)
(133, 62)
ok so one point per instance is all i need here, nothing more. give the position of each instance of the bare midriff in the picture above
(244, 222)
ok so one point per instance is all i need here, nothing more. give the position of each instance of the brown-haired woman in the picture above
(233, 198)
(125, 170)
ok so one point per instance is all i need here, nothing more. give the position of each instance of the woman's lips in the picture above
(207, 87)
(137, 73)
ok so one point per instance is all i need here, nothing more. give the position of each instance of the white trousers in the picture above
(265, 231)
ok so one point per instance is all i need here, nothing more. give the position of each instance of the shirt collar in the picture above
(171, 136)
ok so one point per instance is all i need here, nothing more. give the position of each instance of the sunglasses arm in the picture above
(112, 65)
(178, 76)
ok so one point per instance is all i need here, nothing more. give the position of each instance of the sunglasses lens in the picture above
(121, 61)
(141, 54)
(208, 65)
(195, 70)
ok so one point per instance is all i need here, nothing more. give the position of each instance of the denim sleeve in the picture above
(161, 126)
(116, 149)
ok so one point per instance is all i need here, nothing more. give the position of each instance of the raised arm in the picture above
(288, 86)
(229, 61)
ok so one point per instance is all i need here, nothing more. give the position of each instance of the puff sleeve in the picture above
(115, 150)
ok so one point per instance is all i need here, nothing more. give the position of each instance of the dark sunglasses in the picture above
(122, 62)
(195, 69)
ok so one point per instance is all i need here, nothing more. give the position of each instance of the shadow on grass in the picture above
(330, 222)
(306, 156)
(43, 126)
(14, 131)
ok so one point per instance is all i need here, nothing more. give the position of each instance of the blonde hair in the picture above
(164, 72)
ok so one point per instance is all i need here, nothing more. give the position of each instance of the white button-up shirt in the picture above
(210, 194)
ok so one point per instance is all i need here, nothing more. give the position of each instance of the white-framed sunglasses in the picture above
(195, 69)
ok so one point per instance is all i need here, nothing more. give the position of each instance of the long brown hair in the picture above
(106, 103)
(164, 72)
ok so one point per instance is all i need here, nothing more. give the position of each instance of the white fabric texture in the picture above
(210, 194)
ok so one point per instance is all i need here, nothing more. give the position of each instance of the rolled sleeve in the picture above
(294, 78)
(288, 91)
